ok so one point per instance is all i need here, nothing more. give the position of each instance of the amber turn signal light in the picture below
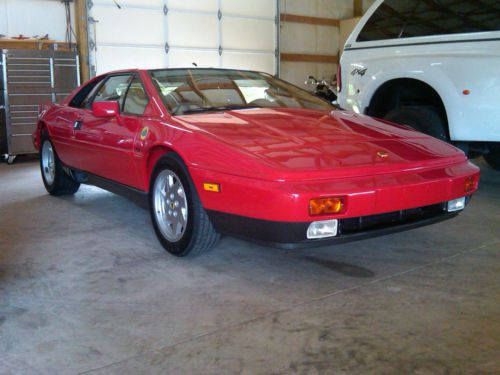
(469, 184)
(326, 206)
(211, 187)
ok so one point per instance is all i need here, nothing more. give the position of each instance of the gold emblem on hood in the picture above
(382, 154)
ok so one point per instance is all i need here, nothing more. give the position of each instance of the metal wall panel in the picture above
(3, 125)
(1, 75)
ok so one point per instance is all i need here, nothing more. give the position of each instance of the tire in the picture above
(424, 119)
(55, 179)
(190, 231)
(493, 157)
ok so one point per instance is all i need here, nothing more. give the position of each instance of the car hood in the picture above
(305, 144)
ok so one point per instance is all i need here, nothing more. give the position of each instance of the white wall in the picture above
(311, 39)
(34, 17)
(367, 4)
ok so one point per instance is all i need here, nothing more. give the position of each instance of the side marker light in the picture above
(208, 186)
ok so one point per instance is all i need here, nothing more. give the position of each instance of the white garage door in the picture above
(177, 33)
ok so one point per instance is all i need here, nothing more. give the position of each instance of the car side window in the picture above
(136, 98)
(396, 19)
(113, 89)
(84, 93)
(87, 101)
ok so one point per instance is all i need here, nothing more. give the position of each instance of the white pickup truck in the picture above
(430, 64)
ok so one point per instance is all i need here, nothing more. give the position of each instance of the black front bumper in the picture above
(291, 235)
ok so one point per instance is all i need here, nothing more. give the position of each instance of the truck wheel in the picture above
(179, 220)
(493, 157)
(56, 181)
(423, 119)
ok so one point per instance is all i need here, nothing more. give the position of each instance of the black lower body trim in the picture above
(137, 196)
(291, 235)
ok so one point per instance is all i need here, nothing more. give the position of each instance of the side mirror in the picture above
(105, 109)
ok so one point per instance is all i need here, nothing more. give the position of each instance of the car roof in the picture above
(132, 70)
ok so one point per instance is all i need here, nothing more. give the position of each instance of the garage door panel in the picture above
(125, 3)
(128, 25)
(240, 33)
(204, 6)
(112, 58)
(185, 58)
(184, 30)
(253, 8)
(137, 34)
(263, 62)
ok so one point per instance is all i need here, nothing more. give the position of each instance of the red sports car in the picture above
(213, 151)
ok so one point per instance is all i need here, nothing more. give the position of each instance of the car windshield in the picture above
(186, 91)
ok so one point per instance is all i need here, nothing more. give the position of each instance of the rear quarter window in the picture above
(396, 19)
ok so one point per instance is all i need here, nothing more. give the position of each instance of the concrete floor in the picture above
(86, 288)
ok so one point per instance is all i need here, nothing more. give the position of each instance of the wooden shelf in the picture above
(35, 44)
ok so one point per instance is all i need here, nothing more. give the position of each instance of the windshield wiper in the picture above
(218, 108)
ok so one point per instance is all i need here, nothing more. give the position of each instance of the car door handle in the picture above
(77, 125)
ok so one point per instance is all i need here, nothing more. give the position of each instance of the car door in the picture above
(134, 105)
(62, 122)
(105, 144)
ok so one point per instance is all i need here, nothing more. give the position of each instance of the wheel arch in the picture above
(37, 136)
(398, 92)
(154, 154)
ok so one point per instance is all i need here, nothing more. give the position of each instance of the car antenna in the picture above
(116, 3)
(194, 64)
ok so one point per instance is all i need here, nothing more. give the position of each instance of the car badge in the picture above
(382, 154)
(144, 133)
(359, 71)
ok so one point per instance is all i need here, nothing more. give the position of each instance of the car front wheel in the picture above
(179, 220)
(55, 179)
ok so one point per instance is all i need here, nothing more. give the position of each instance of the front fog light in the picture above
(456, 204)
(322, 229)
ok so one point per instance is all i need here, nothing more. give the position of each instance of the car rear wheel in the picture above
(421, 118)
(179, 220)
(493, 157)
(55, 179)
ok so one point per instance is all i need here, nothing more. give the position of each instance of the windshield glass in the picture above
(186, 91)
